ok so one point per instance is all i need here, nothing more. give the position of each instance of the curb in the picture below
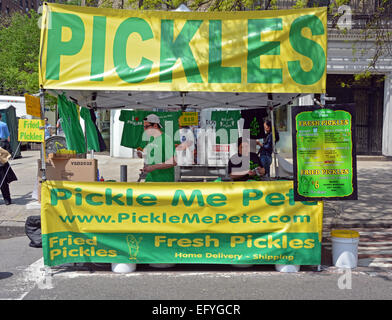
(12, 229)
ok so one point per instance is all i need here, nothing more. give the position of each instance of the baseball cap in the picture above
(153, 118)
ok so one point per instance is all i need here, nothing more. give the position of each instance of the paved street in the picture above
(23, 276)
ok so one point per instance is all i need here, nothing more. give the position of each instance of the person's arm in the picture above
(239, 175)
(169, 163)
(261, 170)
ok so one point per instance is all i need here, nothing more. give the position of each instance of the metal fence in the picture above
(358, 7)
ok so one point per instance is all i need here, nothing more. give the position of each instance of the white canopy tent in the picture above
(150, 100)
(175, 100)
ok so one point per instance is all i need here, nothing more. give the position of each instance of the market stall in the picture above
(233, 60)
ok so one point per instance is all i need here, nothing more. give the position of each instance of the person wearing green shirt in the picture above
(159, 152)
(160, 159)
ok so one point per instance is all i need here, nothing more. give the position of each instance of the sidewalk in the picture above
(13, 217)
(371, 214)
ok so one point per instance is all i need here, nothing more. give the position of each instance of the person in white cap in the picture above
(159, 153)
(160, 160)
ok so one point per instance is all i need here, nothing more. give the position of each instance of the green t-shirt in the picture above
(91, 131)
(159, 150)
(132, 136)
(68, 112)
(226, 120)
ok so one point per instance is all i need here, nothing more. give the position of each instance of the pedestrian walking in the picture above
(7, 175)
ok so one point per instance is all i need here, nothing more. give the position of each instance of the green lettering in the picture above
(275, 199)
(191, 219)
(188, 203)
(129, 197)
(308, 48)
(291, 197)
(54, 195)
(146, 199)
(216, 199)
(110, 198)
(78, 197)
(90, 201)
(256, 48)
(122, 216)
(98, 49)
(217, 73)
(171, 51)
(174, 219)
(246, 196)
(58, 48)
(207, 219)
(126, 28)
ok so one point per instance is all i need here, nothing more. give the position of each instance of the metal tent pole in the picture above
(271, 109)
(43, 163)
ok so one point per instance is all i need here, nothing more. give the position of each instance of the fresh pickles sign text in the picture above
(249, 222)
(250, 51)
(324, 155)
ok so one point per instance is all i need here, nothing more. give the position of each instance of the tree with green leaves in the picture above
(19, 52)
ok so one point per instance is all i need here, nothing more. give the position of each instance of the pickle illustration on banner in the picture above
(324, 155)
(133, 246)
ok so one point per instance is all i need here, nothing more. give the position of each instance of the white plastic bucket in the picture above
(287, 268)
(123, 267)
(344, 248)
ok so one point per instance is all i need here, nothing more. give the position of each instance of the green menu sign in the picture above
(324, 158)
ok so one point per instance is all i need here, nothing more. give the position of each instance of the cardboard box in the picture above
(74, 169)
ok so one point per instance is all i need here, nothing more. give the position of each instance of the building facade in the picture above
(349, 55)
(9, 6)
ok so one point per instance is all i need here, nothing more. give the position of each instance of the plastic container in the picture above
(123, 267)
(287, 268)
(345, 248)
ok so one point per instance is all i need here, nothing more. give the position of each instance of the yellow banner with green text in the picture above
(249, 51)
(30, 130)
(239, 223)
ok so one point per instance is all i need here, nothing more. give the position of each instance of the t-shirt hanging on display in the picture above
(68, 112)
(227, 120)
(102, 144)
(253, 121)
(91, 131)
(132, 136)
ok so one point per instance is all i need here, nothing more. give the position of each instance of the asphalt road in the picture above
(23, 277)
